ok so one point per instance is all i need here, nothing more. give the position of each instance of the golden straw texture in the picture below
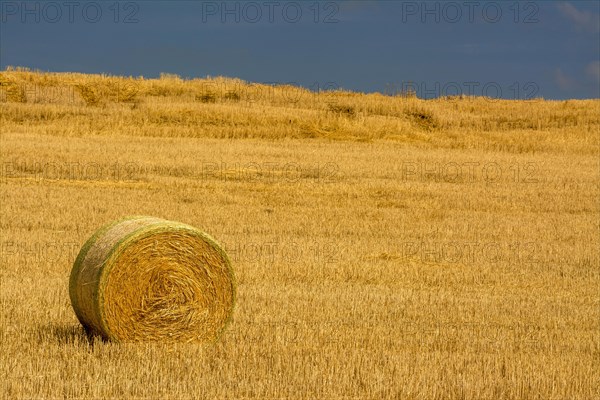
(149, 279)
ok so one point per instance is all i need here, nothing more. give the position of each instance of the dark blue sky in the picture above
(508, 49)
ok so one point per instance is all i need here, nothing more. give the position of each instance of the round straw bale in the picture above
(149, 279)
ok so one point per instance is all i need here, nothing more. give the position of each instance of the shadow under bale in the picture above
(64, 334)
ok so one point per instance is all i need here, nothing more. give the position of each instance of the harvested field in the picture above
(384, 247)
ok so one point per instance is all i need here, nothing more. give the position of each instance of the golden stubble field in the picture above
(384, 247)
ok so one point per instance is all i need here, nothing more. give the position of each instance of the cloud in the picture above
(592, 70)
(583, 80)
(585, 21)
(563, 81)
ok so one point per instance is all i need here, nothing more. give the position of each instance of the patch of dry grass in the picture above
(71, 104)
